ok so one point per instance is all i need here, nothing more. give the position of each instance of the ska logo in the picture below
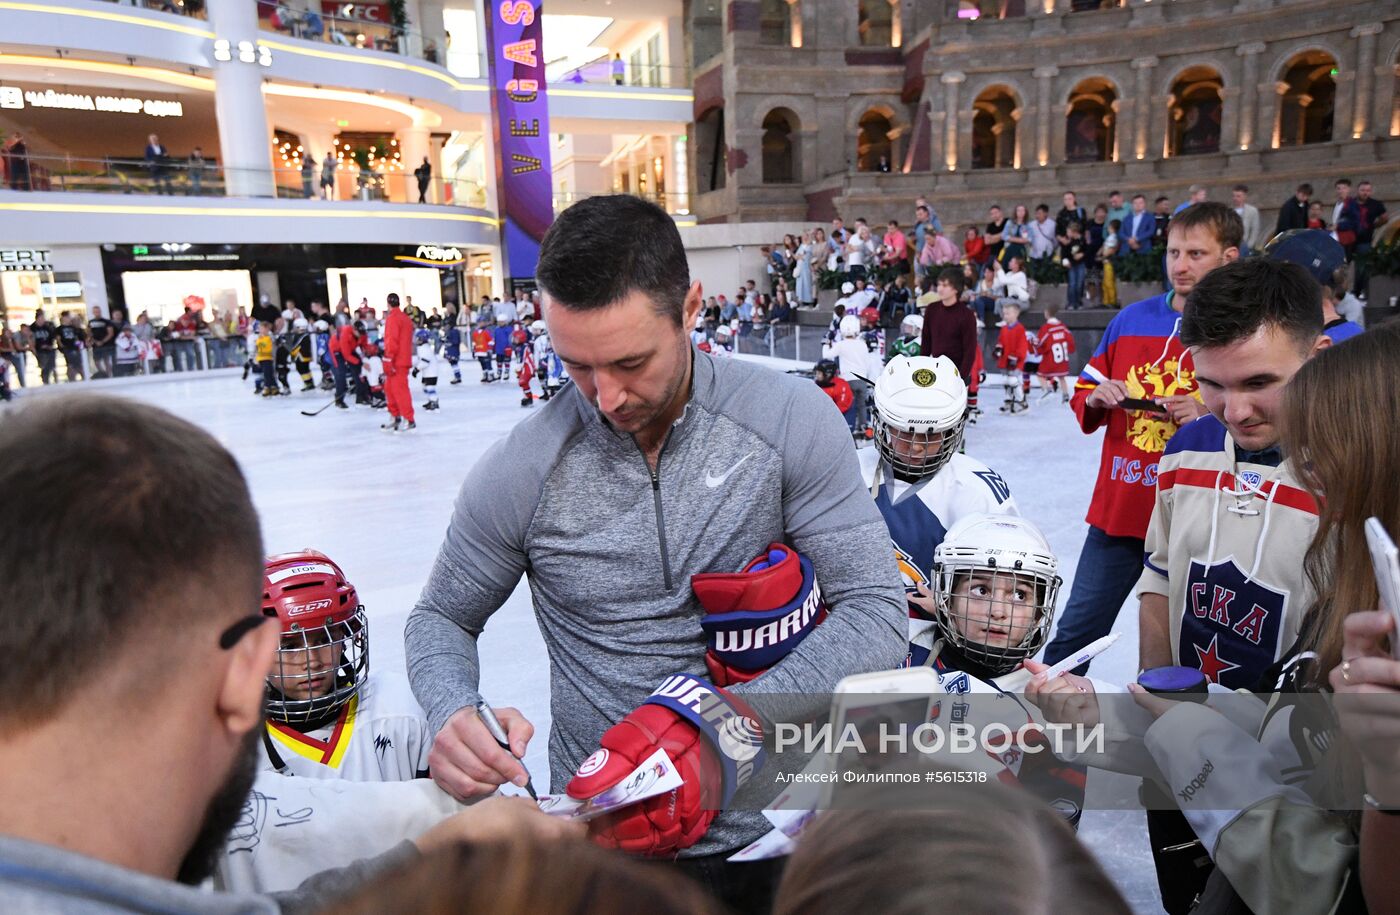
(1231, 625)
(995, 483)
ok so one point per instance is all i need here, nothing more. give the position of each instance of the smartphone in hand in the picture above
(1385, 559)
(1138, 403)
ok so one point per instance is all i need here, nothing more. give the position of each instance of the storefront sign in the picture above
(61, 290)
(364, 12)
(14, 97)
(433, 256)
(25, 259)
(520, 118)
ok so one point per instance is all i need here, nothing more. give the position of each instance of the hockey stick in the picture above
(319, 411)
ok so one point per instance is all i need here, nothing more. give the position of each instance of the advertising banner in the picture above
(520, 122)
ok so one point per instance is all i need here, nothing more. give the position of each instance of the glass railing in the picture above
(675, 204)
(351, 32)
(607, 72)
(192, 8)
(182, 177)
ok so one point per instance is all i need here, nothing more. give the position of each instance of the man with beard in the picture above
(130, 701)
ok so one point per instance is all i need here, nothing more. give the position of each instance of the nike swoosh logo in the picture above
(712, 481)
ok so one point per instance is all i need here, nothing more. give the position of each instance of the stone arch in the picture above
(1306, 83)
(780, 145)
(1091, 119)
(1284, 55)
(996, 111)
(874, 143)
(1195, 104)
(711, 149)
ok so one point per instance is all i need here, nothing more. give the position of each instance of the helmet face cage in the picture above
(981, 605)
(899, 447)
(335, 650)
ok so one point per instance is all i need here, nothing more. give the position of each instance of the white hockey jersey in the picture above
(918, 515)
(426, 361)
(379, 736)
(292, 828)
(372, 371)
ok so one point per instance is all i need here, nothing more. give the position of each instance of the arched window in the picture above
(873, 144)
(994, 129)
(710, 150)
(779, 156)
(875, 22)
(1308, 99)
(1194, 111)
(1091, 122)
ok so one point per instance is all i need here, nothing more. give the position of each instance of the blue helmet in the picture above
(421, 335)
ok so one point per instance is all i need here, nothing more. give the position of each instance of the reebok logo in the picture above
(1197, 783)
(712, 481)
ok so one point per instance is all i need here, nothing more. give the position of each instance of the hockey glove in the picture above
(998, 351)
(755, 617)
(713, 739)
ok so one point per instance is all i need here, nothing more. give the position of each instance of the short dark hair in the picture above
(393, 300)
(1042, 208)
(1346, 181)
(82, 586)
(1115, 193)
(1160, 199)
(1242, 188)
(1304, 188)
(1141, 197)
(601, 249)
(953, 276)
(1220, 220)
(1233, 302)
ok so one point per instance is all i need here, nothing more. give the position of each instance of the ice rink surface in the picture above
(378, 504)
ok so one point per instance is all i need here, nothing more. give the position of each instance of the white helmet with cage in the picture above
(996, 581)
(912, 325)
(850, 327)
(920, 412)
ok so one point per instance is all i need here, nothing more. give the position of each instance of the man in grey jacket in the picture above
(132, 688)
(657, 463)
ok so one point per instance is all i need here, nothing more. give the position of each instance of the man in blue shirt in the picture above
(1135, 234)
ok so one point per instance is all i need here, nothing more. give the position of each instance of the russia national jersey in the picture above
(1055, 344)
(379, 736)
(1225, 546)
(1142, 348)
(918, 515)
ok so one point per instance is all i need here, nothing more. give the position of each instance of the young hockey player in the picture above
(920, 480)
(523, 346)
(825, 374)
(283, 360)
(327, 717)
(548, 367)
(264, 354)
(911, 332)
(1032, 364)
(299, 348)
(321, 337)
(1056, 344)
(500, 347)
(724, 341)
(452, 350)
(519, 346)
(425, 366)
(483, 341)
(372, 378)
(1012, 346)
(872, 333)
(698, 337)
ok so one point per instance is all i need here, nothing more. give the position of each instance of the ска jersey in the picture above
(918, 515)
(1224, 546)
(379, 736)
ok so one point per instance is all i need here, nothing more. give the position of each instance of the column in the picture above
(1142, 104)
(1365, 36)
(245, 143)
(413, 146)
(951, 81)
(1249, 93)
(1044, 114)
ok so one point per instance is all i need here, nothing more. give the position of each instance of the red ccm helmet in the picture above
(323, 658)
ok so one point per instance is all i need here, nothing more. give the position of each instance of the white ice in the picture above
(378, 503)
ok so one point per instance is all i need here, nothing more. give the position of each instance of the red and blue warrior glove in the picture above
(753, 618)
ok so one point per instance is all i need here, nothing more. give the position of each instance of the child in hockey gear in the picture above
(321, 338)
(753, 619)
(824, 372)
(1056, 345)
(300, 349)
(1032, 364)
(452, 350)
(500, 346)
(264, 355)
(543, 352)
(871, 331)
(372, 376)
(1012, 346)
(425, 366)
(723, 345)
(326, 717)
(698, 337)
(284, 361)
(482, 343)
(526, 373)
(911, 332)
(921, 481)
(519, 343)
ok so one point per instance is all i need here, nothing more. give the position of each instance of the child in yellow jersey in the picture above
(263, 355)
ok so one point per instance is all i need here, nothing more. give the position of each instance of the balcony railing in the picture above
(191, 8)
(180, 177)
(311, 25)
(605, 71)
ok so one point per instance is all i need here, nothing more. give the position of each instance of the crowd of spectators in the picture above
(1088, 250)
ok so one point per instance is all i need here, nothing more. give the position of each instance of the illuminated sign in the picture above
(433, 256)
(25, 259)
(363, 12)
(13, 97)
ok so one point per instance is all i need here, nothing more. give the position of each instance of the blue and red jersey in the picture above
(1142, 348)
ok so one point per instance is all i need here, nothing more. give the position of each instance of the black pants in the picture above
(47, 373)
(747, 888)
